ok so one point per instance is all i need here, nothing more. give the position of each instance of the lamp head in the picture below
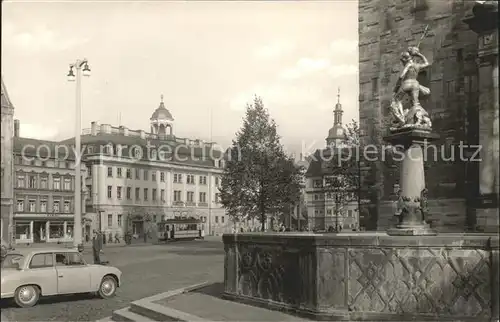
(71, 74)
(86, 70)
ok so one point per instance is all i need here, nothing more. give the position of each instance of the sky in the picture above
(202, 56)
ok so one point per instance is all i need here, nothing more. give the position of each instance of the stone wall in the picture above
(366, 276)
(386, 28)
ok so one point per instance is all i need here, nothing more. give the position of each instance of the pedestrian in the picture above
(97, 247)
(117, 238)
(110, 238)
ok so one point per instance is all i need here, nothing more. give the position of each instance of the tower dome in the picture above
(162, 121)
(336, 132)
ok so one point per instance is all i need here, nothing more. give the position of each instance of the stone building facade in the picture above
(7, 167)
(324, 210)
(137, 178)
(44, 191)
(386, 28)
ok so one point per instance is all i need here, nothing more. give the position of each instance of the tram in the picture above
(180, 229)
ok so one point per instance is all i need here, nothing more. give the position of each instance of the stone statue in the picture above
(400, 204)
(424, 208)
(414, 116)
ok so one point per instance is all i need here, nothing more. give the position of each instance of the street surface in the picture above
(147, 270)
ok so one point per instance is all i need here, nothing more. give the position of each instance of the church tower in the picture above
(336, 133)
(7, 170)
(162, 122)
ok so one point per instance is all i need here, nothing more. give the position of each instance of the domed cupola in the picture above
(336, 133)
(162, 122)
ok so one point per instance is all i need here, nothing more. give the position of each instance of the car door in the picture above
(41, 271)
(73, 274)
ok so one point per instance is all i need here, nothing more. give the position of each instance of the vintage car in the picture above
(27, 274)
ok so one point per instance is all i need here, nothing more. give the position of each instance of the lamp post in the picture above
(81, 67)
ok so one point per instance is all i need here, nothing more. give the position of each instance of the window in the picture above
(190, 179)
(316, 197)
(216, 219)
(67, 184)
(154, 218)
(162, 176)
(56, 206)
(43, 205)
(42, 260)
(32, 182)
(146, 192)
(154, 195)
(119, 193)
(129, 174)
(460, 55)
(328, 211)
(189, 196)
(20, 181)
(110, 172)
(450, 87)
(69, 259)
(119, 220)
(162, 194)
(216, 181)
(203, 180)
(119, 172)
(129, 193)
(89, 171)
(110, 192)
(145, 172)
(203, 197)
(349, 213)
(66, 206)
(43, 183)
(137, 194)
(177, 178)
(222, 219)
(110, 220)
(20, 205)
(57, 183)
(217, 197)
(153, 176)
(32, 205)
(177, 195)
(137, 174)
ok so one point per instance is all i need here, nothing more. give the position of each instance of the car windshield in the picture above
(12, 261)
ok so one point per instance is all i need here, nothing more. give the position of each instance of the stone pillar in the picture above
(32, 235)
(484, 21)
(411, 214)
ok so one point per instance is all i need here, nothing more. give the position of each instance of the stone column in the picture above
(411, 214)
(484, 21)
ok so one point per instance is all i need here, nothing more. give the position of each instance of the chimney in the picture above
(93, 128)
(16, 128)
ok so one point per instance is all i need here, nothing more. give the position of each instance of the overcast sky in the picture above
(199, 55)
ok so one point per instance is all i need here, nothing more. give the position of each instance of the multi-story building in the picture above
(136, 178)
(7, 168)
(327, 208)
(44, 190)
(386, 28)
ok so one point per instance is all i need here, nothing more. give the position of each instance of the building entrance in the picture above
(39, 231)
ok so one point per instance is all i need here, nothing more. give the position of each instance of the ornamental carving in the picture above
(428, 281)
(260, 274)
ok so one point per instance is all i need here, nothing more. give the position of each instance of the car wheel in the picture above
(108, 287)
(27, 296)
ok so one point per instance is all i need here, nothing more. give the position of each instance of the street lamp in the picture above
(81, 67)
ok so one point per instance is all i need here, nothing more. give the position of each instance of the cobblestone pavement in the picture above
(147, 270)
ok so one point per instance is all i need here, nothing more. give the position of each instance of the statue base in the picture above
(411, 230)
